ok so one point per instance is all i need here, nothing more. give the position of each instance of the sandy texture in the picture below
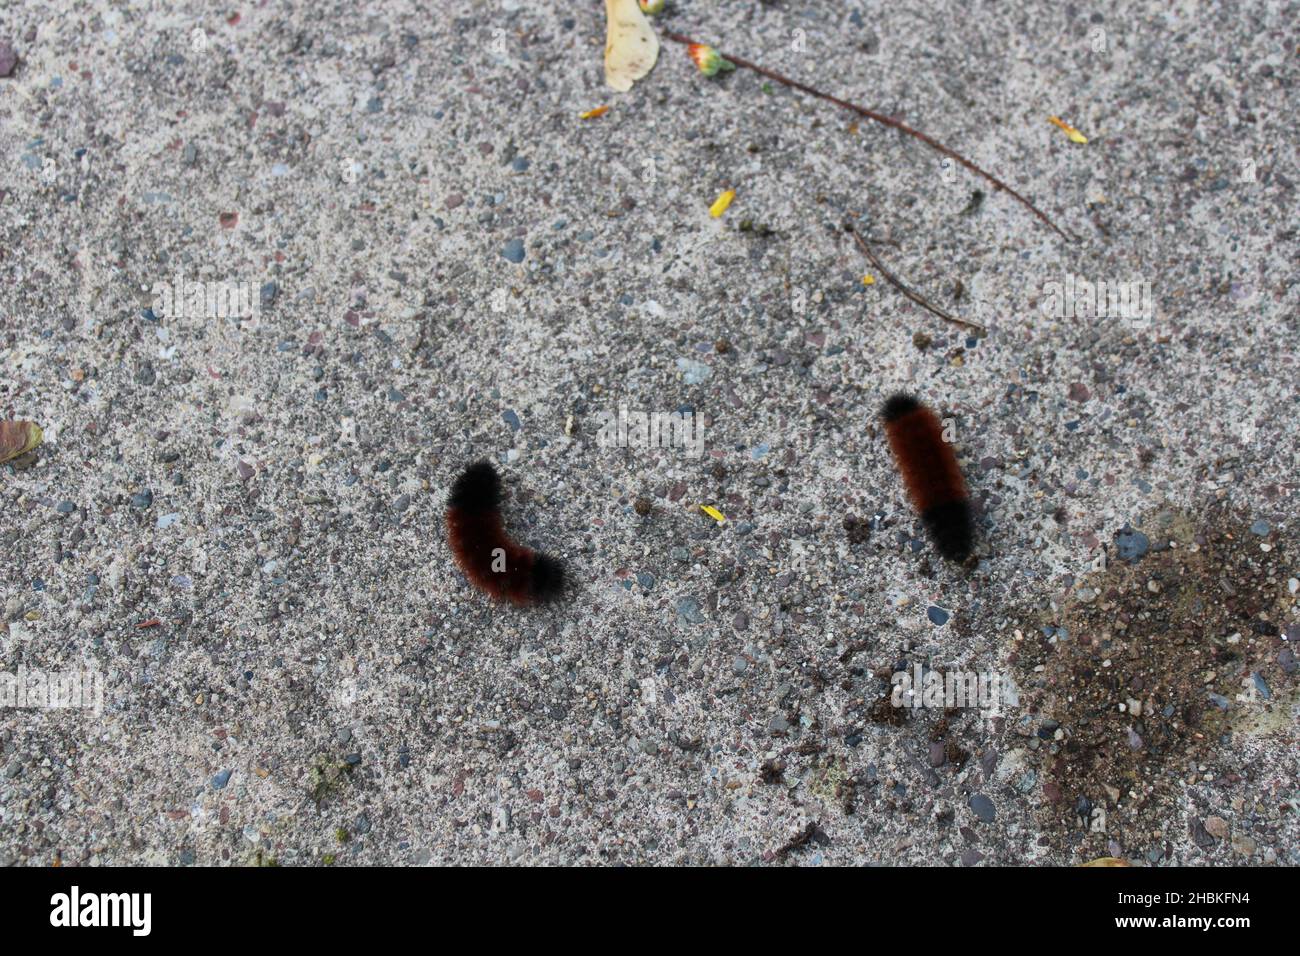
(236, 521)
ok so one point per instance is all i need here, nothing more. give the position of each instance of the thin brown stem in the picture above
(898, 284)
(883, 120)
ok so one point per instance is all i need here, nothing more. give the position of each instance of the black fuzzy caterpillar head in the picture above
(896, 406)
(477, 489)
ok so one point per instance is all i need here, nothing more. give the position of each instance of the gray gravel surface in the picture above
(236, 519)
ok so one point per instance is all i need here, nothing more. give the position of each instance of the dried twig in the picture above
(898, 284)
(884, 120)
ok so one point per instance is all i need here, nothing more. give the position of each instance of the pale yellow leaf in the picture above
(631, 46)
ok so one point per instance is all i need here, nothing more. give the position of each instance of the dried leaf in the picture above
(593, 113)
(1106, 861)
(631, 46)
(18, 438)
(713, 513)
(721, 203)
(1070, 131)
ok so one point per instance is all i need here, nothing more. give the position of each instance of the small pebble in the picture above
(688, 609)
(982, 807)
(513, 250)
(1131, 545)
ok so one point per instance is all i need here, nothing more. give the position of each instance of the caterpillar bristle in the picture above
(491, 560)
(930, 472)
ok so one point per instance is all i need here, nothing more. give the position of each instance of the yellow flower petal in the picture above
(713, 513)
(1070, 131)
(593, 113)
(868, 280)
(721, 203)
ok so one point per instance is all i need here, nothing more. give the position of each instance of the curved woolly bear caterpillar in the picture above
(930, 472)
(490, 559)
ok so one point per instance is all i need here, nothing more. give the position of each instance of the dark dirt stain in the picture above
(1132, 688)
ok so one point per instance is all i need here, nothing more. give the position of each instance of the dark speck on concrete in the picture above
(8, 58)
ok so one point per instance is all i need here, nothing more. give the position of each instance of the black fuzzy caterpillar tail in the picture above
(930, 472)
(490, 559)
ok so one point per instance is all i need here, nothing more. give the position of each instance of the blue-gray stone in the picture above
(514, 250)
(693, 372)
(220, 780)
(937, 615)
(982, 807)
(1261, 528)
(142, 500)
(511, 419)
(1131, 545)
(688, 609)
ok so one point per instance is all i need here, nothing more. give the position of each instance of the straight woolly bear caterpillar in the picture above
(490, 559)
(930, 472)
